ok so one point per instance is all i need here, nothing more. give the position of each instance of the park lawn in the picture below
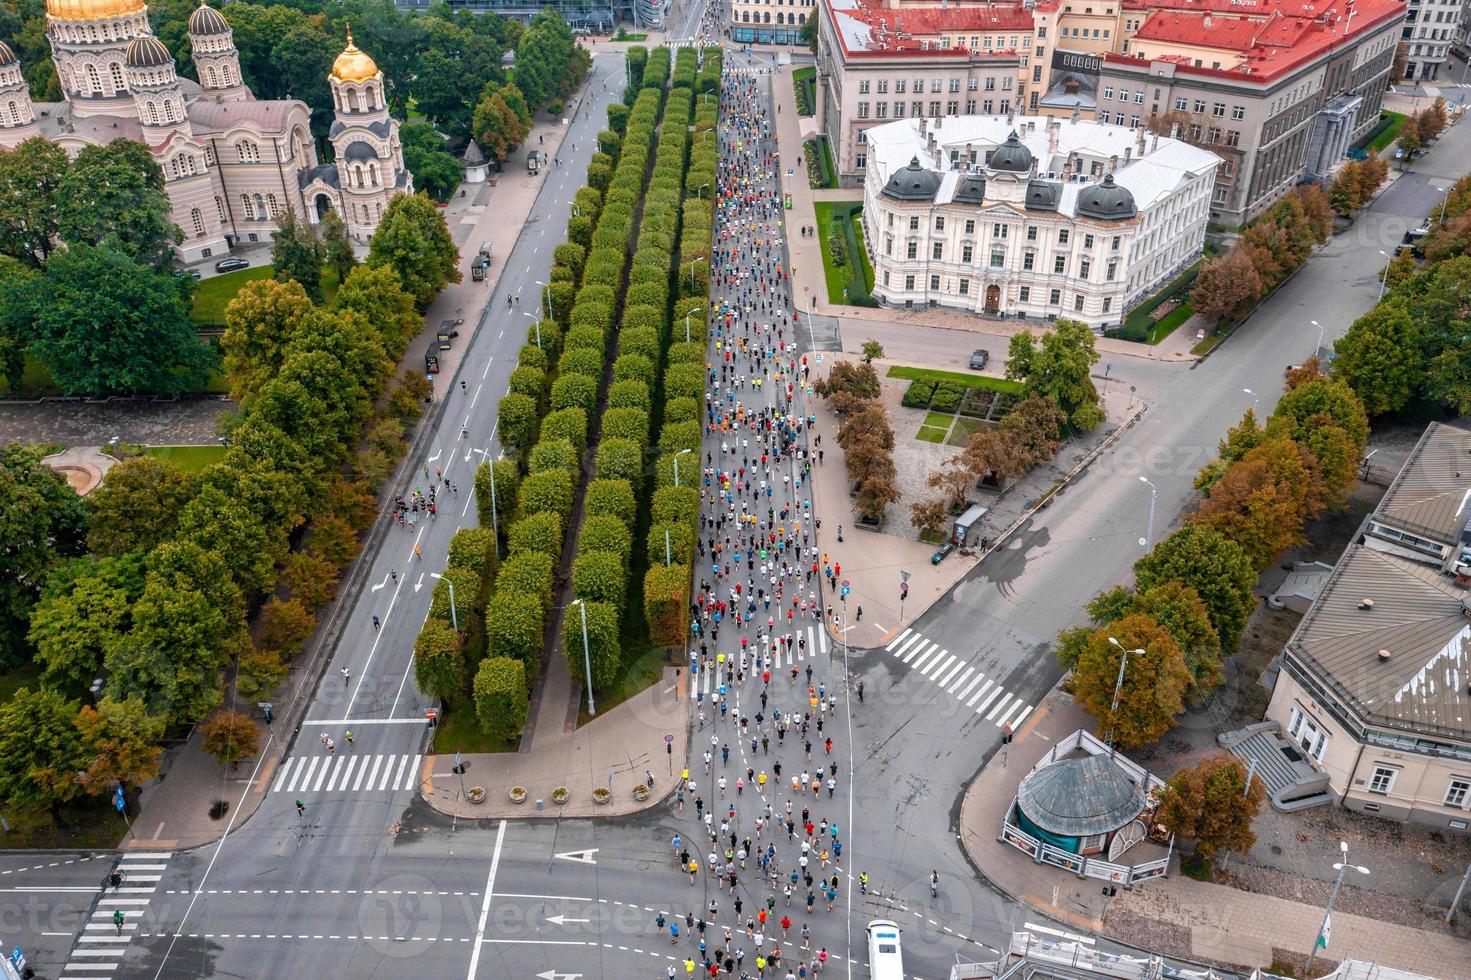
(964, 429)
(863, 258)
(928, 433)
(1170, 322)
(1389, 134)
(836, 276)
(804, 80)
(969, 380)
(459, 731)
(940, 420)
(829, 169)
(90, 822)
(211, 296)
(640, 666)
(189, 459)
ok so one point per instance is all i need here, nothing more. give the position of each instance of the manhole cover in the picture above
(1277, 849)
(218, 809)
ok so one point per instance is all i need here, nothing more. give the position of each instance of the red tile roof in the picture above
(910, 29)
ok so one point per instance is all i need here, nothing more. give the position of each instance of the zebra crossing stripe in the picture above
(965, 689)
(987, 702)
(979, 691)
(1016, 722)
(945, 680)
(822, 638)
(895, 641)
(919, 661)
(998, 707)
(938, 665)
(285, 772)
(305, 778)
(1001, 722)
(373, 776)
(903, 649)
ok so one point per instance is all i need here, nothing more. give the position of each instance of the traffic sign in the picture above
(117, 801)
(669, 738)
(903, 575)
(844, 592)
(819, 358)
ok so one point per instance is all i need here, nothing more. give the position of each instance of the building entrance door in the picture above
(993, 299)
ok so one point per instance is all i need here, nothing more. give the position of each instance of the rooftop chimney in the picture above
(1366, 604)
(1113, 163)
(1384, 656)
(1128, 152)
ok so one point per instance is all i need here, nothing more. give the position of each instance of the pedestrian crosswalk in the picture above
(347, 772)
(703, 680)
(960, 679)
(100, 948)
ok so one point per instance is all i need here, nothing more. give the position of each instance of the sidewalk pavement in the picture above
(809, 282)
(872, 560)
(613, 750)
(1212, 922)
(174, 811)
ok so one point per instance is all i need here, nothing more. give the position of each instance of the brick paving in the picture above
(146, 422)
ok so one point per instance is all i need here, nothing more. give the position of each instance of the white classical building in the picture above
(1031, 217)
(231, 163)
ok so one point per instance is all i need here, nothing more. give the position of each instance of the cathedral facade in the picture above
(232, 164)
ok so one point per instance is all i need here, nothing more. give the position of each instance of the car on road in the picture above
(978, 359)
(231, 264)
(885, 955)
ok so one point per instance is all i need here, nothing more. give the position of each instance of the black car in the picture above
(978, 359)
(231, 264)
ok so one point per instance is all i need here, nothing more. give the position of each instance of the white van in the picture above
(885, 958)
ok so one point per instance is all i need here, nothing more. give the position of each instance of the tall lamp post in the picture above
(1321, 940)
(676, 464)
(1153, 497)
(1118, 688)
(454, 616)
(537, 320)
(546, 288)
(687, 314)
(1254, 398)
(586, 655)
(1384, 277)
(1319, 345)
(692, 270)
(1443, 201)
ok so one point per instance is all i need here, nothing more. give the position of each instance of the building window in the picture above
(863, 110)
(965, 287)
(1456, 792)
(1218, 109)
(1031, 233)
(1087, 241)
(1195, 132)
(1027, 260)
(955, 84)
(275, 209)
(1054, 298)
(935, 283)
(883, 86)
(935, 109)
(1383, 780)
(998, 230)
(914, 222)
(1078, 303)
(888, 244)
(952, 108)
(1107, 303)
(909, 284)
(899, 86)
(1139, 97)
(937, 251)
(1199, 105)
(1113, 270)
(1182, 103)
(972, 83)
(1108, 91)
(966, 254)
(1083, 268)
(1024, 294)
(886, 278)
(1238, 112)
(1116, 243)
(863, 87)
(898, 108)
(937, 85)
(939, 222)
(861, 161)
(970, 226)
(1062, 236)
(197, 220)
(912, 250)
(1059, 264)
(1233, 137)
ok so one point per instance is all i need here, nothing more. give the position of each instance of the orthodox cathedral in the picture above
(231, 163)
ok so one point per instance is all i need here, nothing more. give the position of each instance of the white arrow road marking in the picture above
(554, 975)
(381, 584)
(563, 920)
(419, 584)
(582, 857)
(433, 458)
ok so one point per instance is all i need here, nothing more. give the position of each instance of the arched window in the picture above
(766, 17)
(373, 174)
(197, 220)
(150, 113)
(173, 168)
(168, 111)
(802, 19)
(94, 82)
(380, 210)
(212, 76)
(275, 208)
(118, 84)
(245, 201)
(220, 207)
(14, 111)
(260, 208)
(745, 16)
(368, 100)
(357, 175)
(248, 151)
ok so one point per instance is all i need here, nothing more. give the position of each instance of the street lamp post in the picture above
(537, 320)
(676, 464)
(692, 270)
(701, 192)
(1118, 688)
(454, 616)
(586, 655)
(546, 287)
(1321, 939)
(1384, 277)
(1446, 191)
(668, 557)
(687, 314)
(1254, 398)
(1153, 497)
(1319, 345)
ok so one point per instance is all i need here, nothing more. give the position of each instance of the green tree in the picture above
(599, 576)
(1058, 366)
(41, 521)
(283, 626)
(1210, 803)
(1175, 607)
(1263, 500)
(1155, 680)
(120, 739)
(602, 642)
(872, 350)
(230, 736)
(1217, 569)
(259, 322)
(500, 696)
(298, 254)
(106, 325)
(666, 603)
(435, 172)
(439, 663)
(1325, 417)
(514, 623)
(30, 176)
(137, 506)
(452, 66)
(1226, 286)
(1380, 357)
(376, 294)
(545, 62)
(1240, 439)
(113, 195)
(336, 248)
(502, 489)
(414, 241)
(41, 752)
(466, 586)
(539, 532)
(496, 126)
(613, 498)
(83, 610)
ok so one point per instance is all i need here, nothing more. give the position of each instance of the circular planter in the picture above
(640, 792)
(601, 795)
(476, 794)
(518, 794)
(560, 794)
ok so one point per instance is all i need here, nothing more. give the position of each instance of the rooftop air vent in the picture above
(1384, 656)
(1366, 604)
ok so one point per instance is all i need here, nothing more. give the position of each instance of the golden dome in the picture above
(92, 9)
(353, 65)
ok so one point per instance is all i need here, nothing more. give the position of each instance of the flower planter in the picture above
(601, 795)
(476, 794)
(559, 795)
(518, 794)
(640, 792)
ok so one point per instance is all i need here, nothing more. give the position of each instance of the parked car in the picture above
(231, 264)
(978, 359)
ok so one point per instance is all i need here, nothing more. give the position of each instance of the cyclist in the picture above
(300, 808)
(349, 738)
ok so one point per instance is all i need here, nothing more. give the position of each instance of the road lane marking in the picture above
(495, 862)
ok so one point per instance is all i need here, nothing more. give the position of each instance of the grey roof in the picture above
(208, 20)
(1043, 195)
(972, 189)
(1418, 617)
(358, 150)
(913, 183)
(1012, 155)
(263, 115)
(326, 171)
(1106, 201)
(1430, 493)
(146, 52)
(380, 129)
(7, 54)
(1079, 796)
(473, 156)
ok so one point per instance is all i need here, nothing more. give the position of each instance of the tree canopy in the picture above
(1057, 366)
(414, 241)
(43, 520)
(1154, 685)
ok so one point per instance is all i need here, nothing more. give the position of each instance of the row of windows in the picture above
(1458, 788)
(937, 85)
(765, 18)
(356, 100)
(998, 258)
(1024, 293)
(1000, 230)
(1218, 109)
